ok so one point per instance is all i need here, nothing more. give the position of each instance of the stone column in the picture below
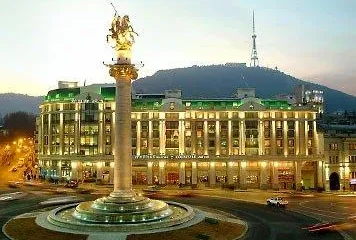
(49, 150)
(74, 165)
(101, 133)
(273, 137)
(263, 175)
(206, 146)
(149, 173)
(212, 174)
(275, 181)
(320, 182)
(162, 137)
(99, 171)
(296, 134)
(182, 172)
(111, 173)
(181, 136)
(230, 172)
(217, 138)
(122, 153)
(229, 136)
(298, 175)
(285, 138)
(316, 149)
(193, 137)
(58, 169)
(138, 138)
(194, 173)
(242, 175)
(260, 138)
(162, 173)
(242, 137)
(61, 130)
(150, 141)
(306, 137)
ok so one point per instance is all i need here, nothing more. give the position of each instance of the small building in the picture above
(339, 148)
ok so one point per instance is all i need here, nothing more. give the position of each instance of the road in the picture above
(329, 208)
(264, 222)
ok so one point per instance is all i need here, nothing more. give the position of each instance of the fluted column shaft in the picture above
(122, 158)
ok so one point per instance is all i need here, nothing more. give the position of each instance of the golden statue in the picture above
(122, 32)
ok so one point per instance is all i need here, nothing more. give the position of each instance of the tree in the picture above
(20, 124)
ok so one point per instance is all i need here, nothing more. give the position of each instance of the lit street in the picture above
(264, 222)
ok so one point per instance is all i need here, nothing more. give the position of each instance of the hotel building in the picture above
(245, 141)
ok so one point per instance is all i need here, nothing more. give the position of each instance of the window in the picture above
(333, 159)
(107, 129)
(211, 143)
(333, 146)
(352, 146)
(352, 159)
(266, 115)
(278, 114)
(108, 140)
(211, 115)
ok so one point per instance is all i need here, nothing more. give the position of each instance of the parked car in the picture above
(13, 169)
(71, 184)
(20, 162)
(277, 201)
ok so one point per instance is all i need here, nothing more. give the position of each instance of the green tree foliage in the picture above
(20, 124)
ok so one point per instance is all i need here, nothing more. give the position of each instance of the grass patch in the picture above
(211, 220)
(203, 230)
(27, 229)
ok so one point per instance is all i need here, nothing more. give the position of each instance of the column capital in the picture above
(123, 70)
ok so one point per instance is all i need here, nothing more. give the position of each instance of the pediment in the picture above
(252, 104)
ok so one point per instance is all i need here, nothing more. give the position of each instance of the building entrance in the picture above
(334, 181)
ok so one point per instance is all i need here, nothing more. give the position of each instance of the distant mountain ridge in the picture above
(12, 102)
(214, 81)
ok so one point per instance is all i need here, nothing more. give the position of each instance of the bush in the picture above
(228, 186)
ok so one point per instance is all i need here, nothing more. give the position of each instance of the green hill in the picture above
(221, 81)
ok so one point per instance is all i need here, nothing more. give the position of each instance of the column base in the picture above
(275, 186)
(263, 186)
(123, 196)
(243, 187)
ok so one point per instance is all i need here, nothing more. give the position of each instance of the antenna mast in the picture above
(254, 59)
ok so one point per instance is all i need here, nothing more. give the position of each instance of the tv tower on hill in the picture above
(254, 58)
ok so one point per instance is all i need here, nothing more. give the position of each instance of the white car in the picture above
(277, 201)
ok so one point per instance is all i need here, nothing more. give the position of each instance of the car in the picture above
(20, 162)
(277, 201)
(13, 169)
(71, 184)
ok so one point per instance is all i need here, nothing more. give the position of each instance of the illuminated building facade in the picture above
(339, 144)
(248, 142)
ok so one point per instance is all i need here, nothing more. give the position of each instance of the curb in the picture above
(3, 229)
(344, 234)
